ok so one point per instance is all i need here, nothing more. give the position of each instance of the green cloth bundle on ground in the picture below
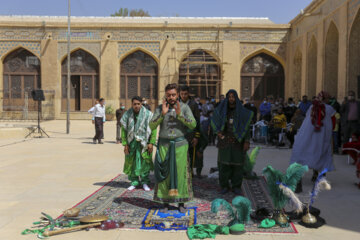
(267, 223)
(202, 231)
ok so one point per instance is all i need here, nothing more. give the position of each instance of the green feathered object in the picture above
(274, 177)
(242, 207)
(250, 161)
(217, 203)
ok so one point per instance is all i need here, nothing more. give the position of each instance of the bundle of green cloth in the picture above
(202, 231)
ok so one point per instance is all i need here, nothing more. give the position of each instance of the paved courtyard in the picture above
(53, 174)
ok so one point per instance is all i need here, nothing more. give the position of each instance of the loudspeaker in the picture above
(38, 95)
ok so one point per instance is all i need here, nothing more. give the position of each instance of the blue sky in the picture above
(279, 11)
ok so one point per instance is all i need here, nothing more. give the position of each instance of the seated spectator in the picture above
(277, 124)
(355, 143)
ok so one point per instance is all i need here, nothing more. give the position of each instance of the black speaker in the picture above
(38, 95)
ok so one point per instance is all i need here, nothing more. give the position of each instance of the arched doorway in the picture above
(201, 72)
(139, 77)
(262, 76)
(354, 56)
(84, 86)
(331, 60)
(311, 68)
(21, 74)
(297, 69)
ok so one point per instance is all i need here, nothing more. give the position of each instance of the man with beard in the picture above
(138, 140)
(231, 122)
(197, 143)
(171, 162)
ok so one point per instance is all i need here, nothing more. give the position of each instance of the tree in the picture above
(124, 12)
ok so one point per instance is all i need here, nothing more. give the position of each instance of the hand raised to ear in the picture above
(165, 108)
(177, 108)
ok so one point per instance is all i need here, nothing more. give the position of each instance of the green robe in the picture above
(138, 165)
(231, 157)
(174, 127)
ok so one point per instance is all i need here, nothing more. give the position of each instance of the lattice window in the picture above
(201, 72)
(266, 74)
(139, 76)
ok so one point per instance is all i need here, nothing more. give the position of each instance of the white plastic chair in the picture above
(352, 149)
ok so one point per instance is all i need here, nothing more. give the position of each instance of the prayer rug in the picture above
(132, 207)
(172, 220)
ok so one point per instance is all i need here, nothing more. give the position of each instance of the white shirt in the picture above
(98, 111)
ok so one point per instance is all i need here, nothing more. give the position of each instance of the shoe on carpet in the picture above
(237, 191)
(182, 208)
(146, 188)
(224, 191)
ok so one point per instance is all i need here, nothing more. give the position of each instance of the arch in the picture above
(16, 48)
(354, 56)
(262, 75)
(201, 71)
(21, 75)
(311, 68)
(142, 50)
(77, 49)
(139, 77)
(331, 60)
(266, 51)
(199, 49)
(297, 72)
(85, 83)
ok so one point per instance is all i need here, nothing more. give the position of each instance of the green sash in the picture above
(162, 169)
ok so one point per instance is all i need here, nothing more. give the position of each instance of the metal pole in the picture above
(68, 74)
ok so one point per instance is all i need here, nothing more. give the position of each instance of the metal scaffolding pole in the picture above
(68, 74)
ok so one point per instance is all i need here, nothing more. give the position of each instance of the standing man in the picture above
(138, 140)
(196, 149)
(265, 110)
(171, 163)
(144, 103)
(351, 112)
(119, 113)
(231, 122)
(249, 104)
(304, 105)
(313, 146)
(98, 119)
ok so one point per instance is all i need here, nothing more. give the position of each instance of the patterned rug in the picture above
(131, 207)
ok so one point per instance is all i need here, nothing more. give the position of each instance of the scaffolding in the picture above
(201, 70)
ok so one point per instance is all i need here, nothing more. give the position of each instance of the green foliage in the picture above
(293, 174)
(124, 12)
(109, 109)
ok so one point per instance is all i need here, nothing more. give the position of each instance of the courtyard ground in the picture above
(53, 174)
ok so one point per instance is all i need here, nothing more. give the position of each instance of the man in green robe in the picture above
(171, 163)
(231, 122)
(138, 140)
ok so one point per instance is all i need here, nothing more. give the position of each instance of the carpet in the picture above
(131, 207)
